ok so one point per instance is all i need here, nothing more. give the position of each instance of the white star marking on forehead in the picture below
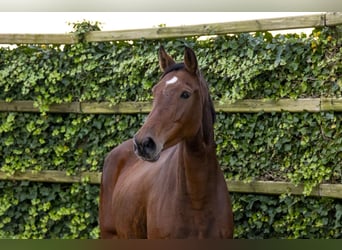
(173, 80)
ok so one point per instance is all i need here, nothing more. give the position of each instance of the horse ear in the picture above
(190, 60)
(165, 60)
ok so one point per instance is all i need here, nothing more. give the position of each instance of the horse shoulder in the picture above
(114, 164)
(116, 161)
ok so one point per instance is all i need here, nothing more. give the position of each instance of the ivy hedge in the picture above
(301, 148)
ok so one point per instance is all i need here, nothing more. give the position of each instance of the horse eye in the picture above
(185, 95)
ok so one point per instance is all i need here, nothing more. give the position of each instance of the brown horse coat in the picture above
(166, 182)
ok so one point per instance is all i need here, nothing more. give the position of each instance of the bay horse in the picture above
(165, 182)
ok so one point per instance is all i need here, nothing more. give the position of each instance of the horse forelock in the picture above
(174, 67)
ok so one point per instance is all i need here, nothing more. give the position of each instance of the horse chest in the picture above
(173, 216)
(180, 222)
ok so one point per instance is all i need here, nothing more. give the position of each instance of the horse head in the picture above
(179, 102)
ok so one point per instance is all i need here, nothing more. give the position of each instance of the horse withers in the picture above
(165, 183)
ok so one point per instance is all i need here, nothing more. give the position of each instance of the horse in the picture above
(165, 182)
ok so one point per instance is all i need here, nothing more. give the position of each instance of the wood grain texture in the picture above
(279, 23)
(240, 106)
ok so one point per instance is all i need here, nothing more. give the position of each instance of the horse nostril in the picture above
(148, 145)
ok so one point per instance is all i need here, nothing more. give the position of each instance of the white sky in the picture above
(57, 22)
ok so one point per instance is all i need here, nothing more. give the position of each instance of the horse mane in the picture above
(173, 67)
(209, 114)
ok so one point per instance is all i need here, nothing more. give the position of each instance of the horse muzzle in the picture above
(146, 149)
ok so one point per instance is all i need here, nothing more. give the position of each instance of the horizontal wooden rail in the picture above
(240, 106)
(259, 187)
(38, 38)
(52, 176)
(281, 23)
(275, 187)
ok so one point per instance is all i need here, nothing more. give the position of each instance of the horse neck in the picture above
(198, 166)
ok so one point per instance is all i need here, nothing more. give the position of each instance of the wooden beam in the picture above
(38, 38)
(329, 190)
(121, 108)
(277, 188)
(253, 106)
(52, 176)
(28, 106)
(333, 18)
(18, 106)
(331, 104)
(279, 23)
(240, 106)
(254, 187)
